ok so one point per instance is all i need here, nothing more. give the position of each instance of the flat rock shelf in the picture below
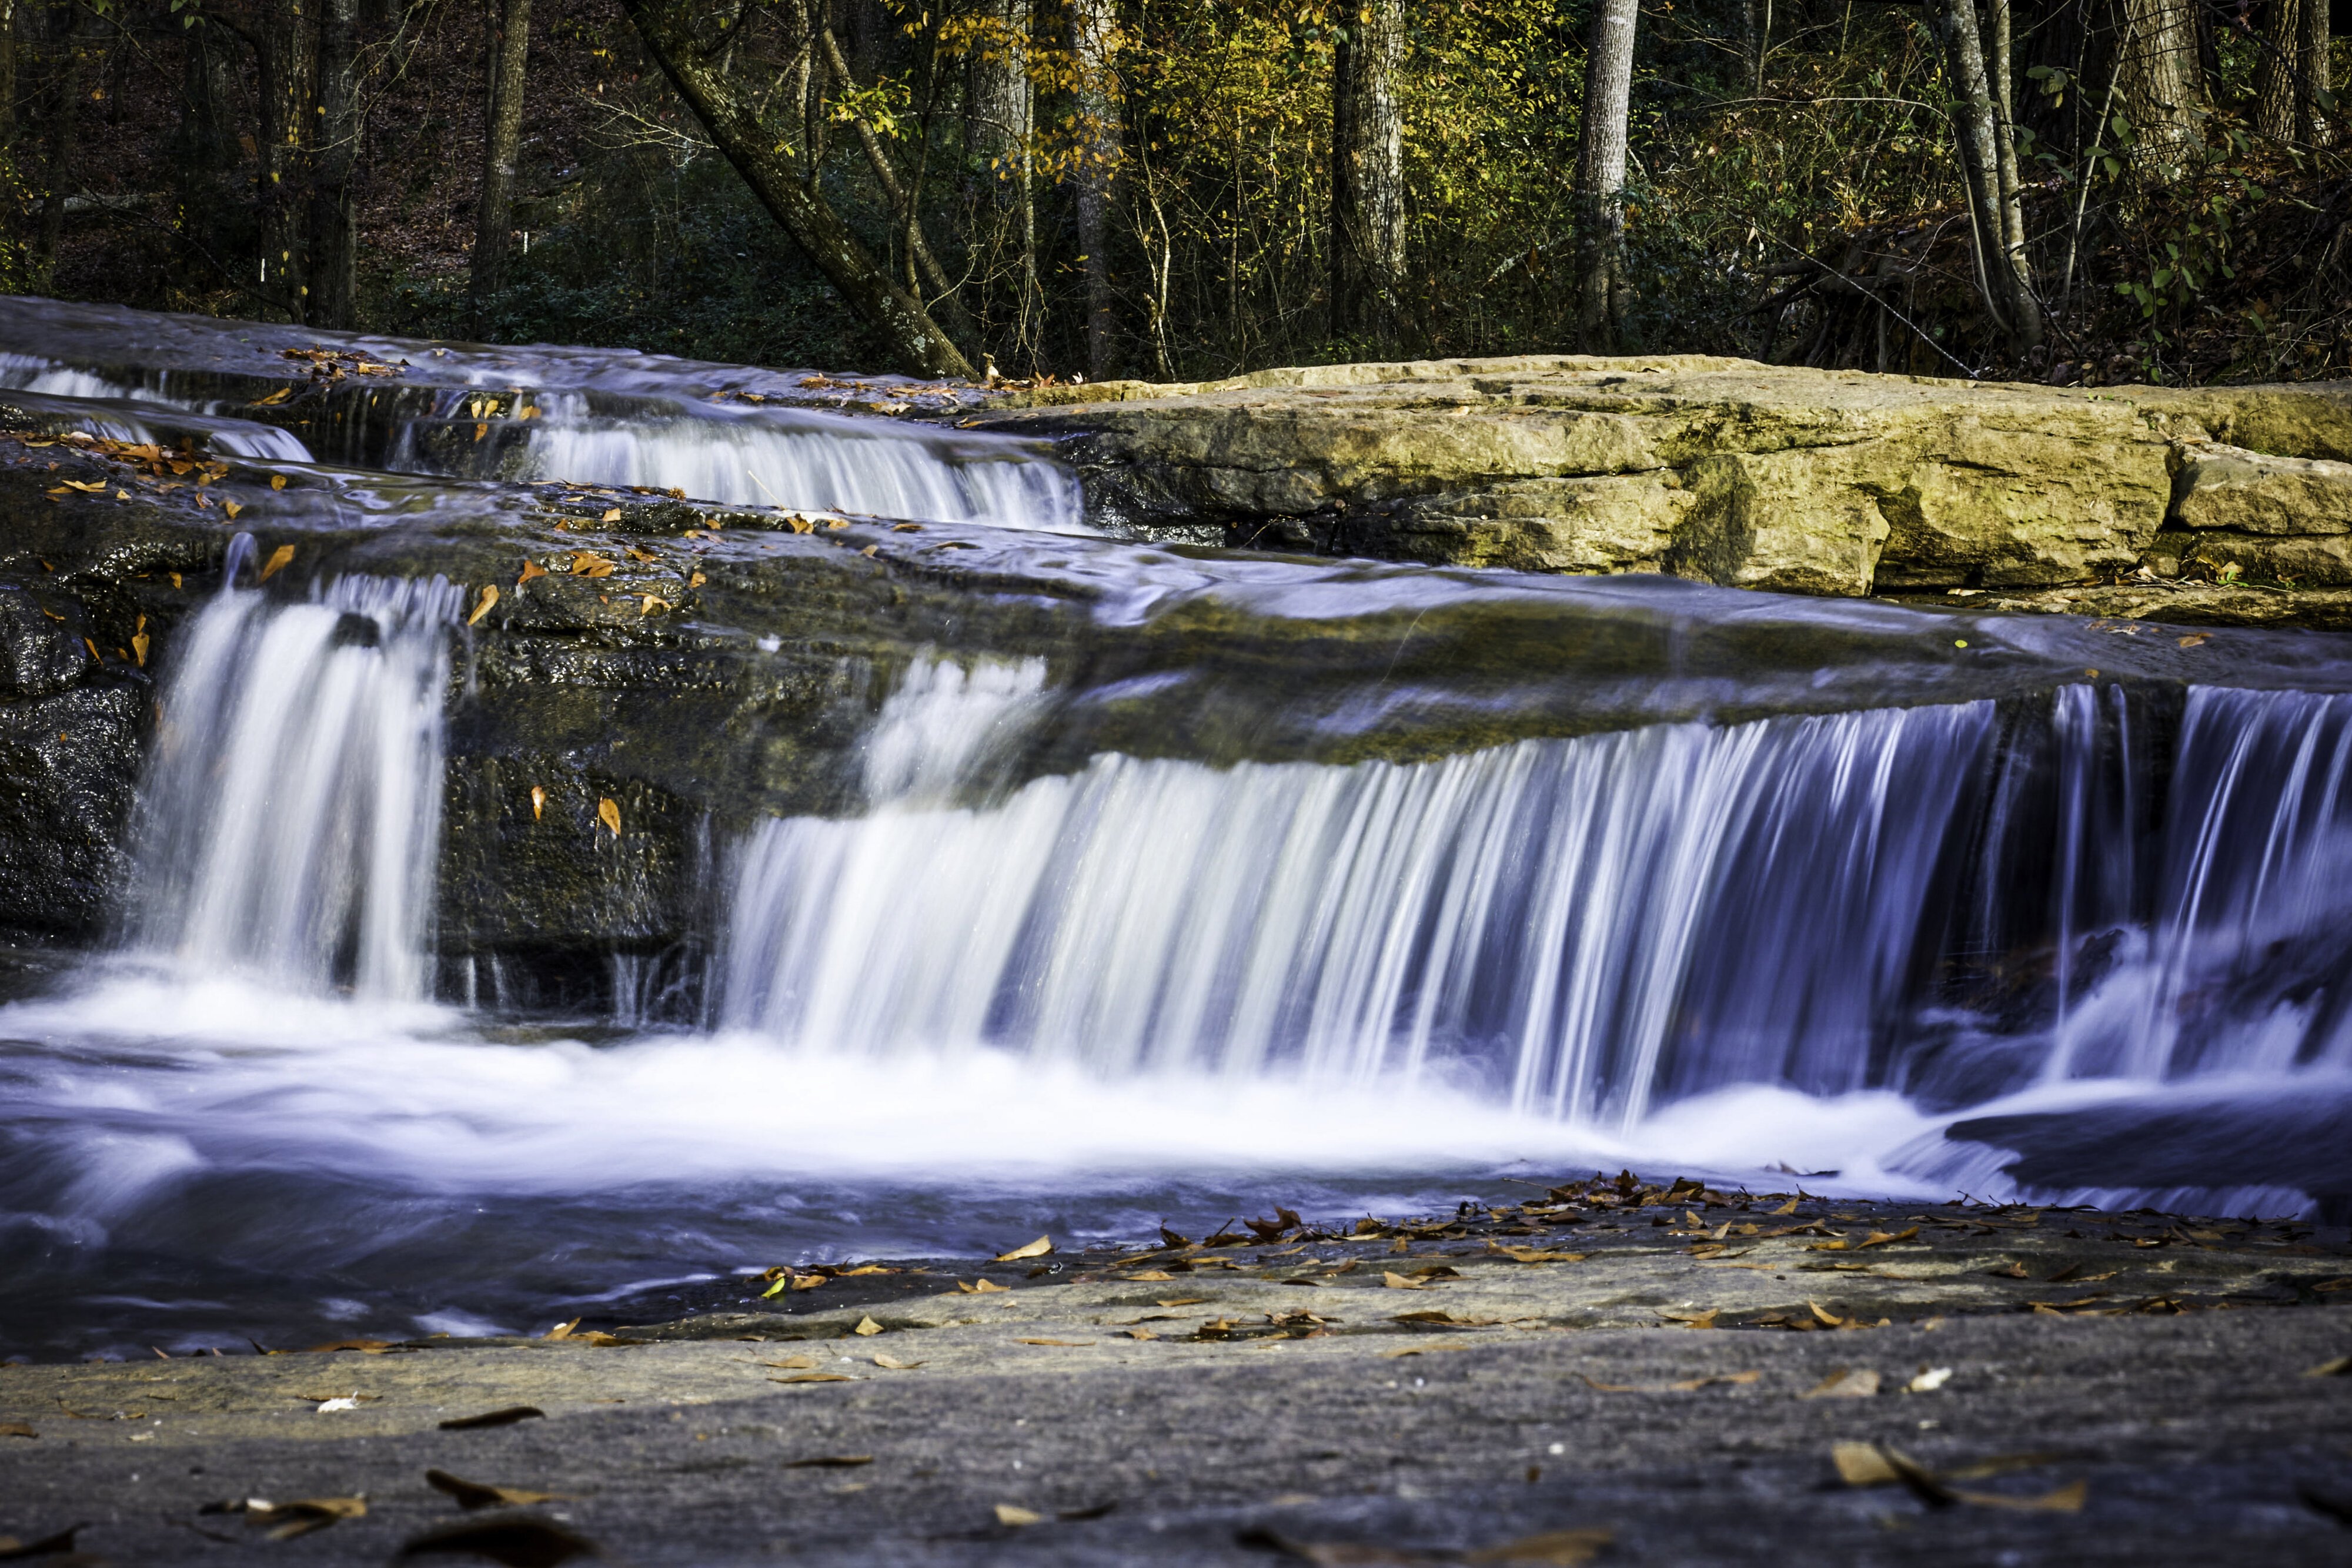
(1669, 1374)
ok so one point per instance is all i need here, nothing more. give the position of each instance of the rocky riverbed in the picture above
(1611, 1372)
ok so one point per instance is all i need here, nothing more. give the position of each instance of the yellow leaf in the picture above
(279, 560)
(139, 647)
(981, 1287)
(651, 602)
(1016, 1518)
(538, 803)
(1037, 1249)
(1063, 1343)
(480, 431)
(561, 1330)
(488, 601)
(894, 1365)
(87, 487)
(280, 396)
(277, 481)
(609, 813)
(611, 517)
(232, 508)
(697, 581)
(867, 1328)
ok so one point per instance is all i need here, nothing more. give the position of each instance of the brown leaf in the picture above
(611, 517)
(816, 1378)
(279, 560)
(530, 568)
(1065, 1343)
(1553, 1548)
(504, 1417)
(480, 431)
(520, 1540)
(792, 1363)
(1884, 1238)
(1149, 1276)
(471, 1495)
(17, 1429)
(280, 396)
(893, 1364)
(1705, 1320)
(981, 1287)
(485, 605)
(1396, 1281)
(1037, 1249)
(2196, 639)
(231, 507)
(608, 812)
(139, 646)
(538, 807)
(1846, 1383)
(1787, 1207)
(829, 1462)
(287, 1521)
(867, 1326)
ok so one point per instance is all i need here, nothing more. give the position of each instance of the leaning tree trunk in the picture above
(2162, 83)
(1600, 198)
(1999, 239)
(501, 148)
(1101, 147)
(334, 230)
(732, 117)
(1367, 176)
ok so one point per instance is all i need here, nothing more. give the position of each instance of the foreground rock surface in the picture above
(1731, 472)
(2072, 1388)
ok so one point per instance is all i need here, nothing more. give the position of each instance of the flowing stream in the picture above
(1889, 948)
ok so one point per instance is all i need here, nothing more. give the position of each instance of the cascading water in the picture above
(294, 808)
(1584, 927)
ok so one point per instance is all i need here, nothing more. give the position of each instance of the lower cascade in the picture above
(1590, 928)
(294, 808)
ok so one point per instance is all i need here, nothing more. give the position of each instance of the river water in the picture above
(2082, 946)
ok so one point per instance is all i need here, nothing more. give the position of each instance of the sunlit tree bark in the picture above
(1094, 42)
(1367, 236)
(1601, 152)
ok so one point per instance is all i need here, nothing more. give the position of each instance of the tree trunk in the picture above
(2163, 84)
(2278, 93)
(2314, 79)
(283, 165)
(8, 9)
(2026, 313)
(66, 36)
(334, 231)
(501, 149)
(1093, 42)
(730, 116)
(1000, 119)
(1368, 177)
(1600, 177)
(2001, 271)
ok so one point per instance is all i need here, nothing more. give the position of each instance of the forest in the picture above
(2076, 191)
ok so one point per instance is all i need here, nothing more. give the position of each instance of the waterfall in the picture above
(45, 381)
(1581, 925)
(777, 458)
(292, 811)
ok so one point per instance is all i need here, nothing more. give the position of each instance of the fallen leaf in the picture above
(1537, 1255)
(697, 581)
(1419, 1350)
(139, 646)
(1139, 1333)
(538, 807)
(981, 1287)
(868, 1327)
(1079, 1515)
(1705, 1320)
(1553, 1548)
(651, 601)
(277, 481)
(483, 607)
(611, 517)
(280, 396)
(1396, 1281)
(895, 1365)
(2339, 1367)
(286, 1521)
(1183, 1301)
(1037, 1249)
(2196, 639)
(816, 1378)
(1930, 1380)
(279, 560)
(2013, 1270)
(1787, 1207)
(61, 1545)
(1065, 1343)
(17, 1429)
(519, 1542)
(505, 1417)
(1883, 1239)
(792, 1363)
(829, 1462)
(1150, 1276)
(1013, 1517)
(471, 1495)
(530, 568)
(1856, 1382)
(231, 507)
(609, 813)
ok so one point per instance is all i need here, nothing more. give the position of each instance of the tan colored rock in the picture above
(2219, 486)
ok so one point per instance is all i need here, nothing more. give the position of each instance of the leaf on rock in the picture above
(1705, 1320)
(1037, 1249)
(57, 1545)
(981, 1287)
(471, 1495)
(792, 1363)
(1552, 1549)
(17, 1429)
(530, 568)
(608, 812)
(1065, 1343)
(520, 1541)
(1396, 1281)
(483, 606)
(1846, 1383)
(868, 1327)
(1929, 1380)
(829, 1462)
(895, 1365)
(611, 517)
(504, 1417)
(537, 809)
(277, 481)
(286, 1521)
(280, 396)
(816, 1378)
(231, 507)
(1885, 1239)
(279, 560)
(1014, 1517)
(2340, 1366)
